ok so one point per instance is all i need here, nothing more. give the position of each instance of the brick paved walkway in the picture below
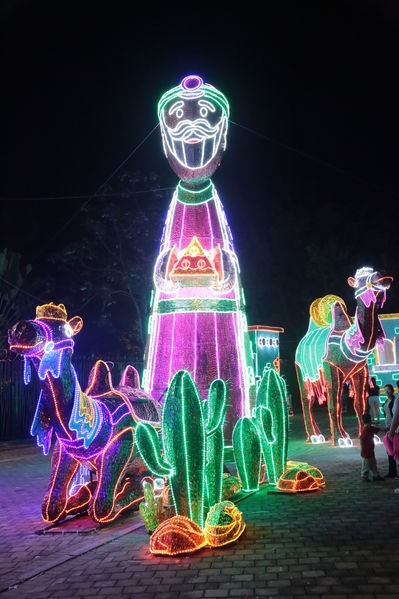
(337, 543)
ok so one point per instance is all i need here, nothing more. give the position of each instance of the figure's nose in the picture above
(22, 333)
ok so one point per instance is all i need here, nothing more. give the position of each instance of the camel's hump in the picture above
(100, 380)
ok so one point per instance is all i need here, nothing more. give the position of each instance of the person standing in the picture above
(369, 465)
(374, 400)
(388, 410)
(394, 426)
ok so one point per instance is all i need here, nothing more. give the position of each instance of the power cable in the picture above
(86, 196)
(107, 180)
(313, 158)
(90, 197)
(21, 290)
(128, 157)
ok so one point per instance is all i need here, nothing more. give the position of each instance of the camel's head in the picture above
(370, 286)
(45, 337)
(194, 119)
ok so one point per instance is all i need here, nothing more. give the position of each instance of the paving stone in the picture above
(315, 545)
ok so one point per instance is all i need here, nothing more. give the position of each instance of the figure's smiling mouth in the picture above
(194, 143)
(25, 347)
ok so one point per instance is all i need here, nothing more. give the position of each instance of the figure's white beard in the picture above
(194, 155)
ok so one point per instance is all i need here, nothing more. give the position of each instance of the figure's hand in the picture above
(229, 271)
(161, 280)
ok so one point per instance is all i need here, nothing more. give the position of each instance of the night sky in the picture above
(311, 192)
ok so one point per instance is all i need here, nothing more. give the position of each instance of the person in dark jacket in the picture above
(369, 464)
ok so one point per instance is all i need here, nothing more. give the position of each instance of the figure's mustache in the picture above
(186, 129)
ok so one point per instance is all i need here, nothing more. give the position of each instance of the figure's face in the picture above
(370, 285)
(194, 127)
(30, 337)
(35, 337)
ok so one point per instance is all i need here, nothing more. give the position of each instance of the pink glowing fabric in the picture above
(392, 447)
(200, 329)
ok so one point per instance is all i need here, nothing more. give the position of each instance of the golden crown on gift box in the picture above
(51, 311)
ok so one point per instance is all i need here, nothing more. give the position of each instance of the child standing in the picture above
(369, 464)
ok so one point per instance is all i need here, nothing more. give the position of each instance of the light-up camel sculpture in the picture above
(335, 350)
(198, 320)
(93, 428)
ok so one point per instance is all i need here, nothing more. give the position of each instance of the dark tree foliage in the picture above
(105, 270)
(13, 274)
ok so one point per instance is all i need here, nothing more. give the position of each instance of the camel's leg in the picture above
(79, 501)
(110, 469)
(359, 385)
(334, 379)
(315, 428)
(63, 469)
(306, 408)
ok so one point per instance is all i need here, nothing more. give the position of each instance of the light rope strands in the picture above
(179, 535)
(335, 351)
(176, 536)
(223, 524)
(300, 477)
(198, 318)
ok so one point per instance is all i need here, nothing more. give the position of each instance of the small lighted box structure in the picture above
(265, 343)
(384, 361)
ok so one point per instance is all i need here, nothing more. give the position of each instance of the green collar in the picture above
(199, 196)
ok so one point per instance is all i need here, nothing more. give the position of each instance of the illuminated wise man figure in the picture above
(198, 320)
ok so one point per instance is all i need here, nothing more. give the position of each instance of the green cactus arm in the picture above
(264, 423)
(216, 405)
(150, 450)
(247, 453)
(183, 437)
(159, 507)
(149, 496)
(150, 519)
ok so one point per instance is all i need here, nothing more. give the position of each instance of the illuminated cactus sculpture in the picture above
(183, 438)
(272, 423)
(263, 421)
(193, 444)
(268, 430)
(151, 509)
(247, 454)
(215, 411)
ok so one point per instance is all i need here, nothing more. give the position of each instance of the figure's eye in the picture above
(203, 111)
(185, 264)
(179, 113)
